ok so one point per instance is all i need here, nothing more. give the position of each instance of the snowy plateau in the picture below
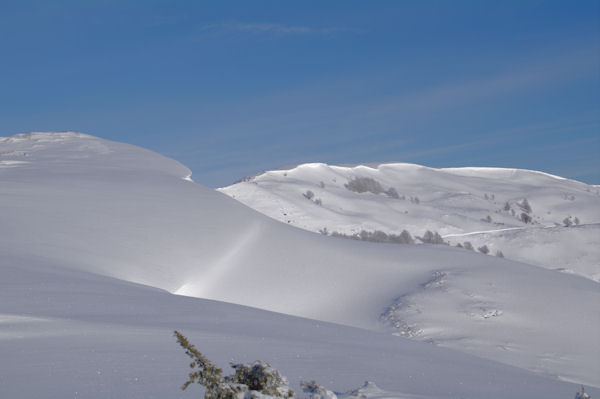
(106, 248)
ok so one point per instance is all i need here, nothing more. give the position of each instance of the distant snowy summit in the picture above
(530, 216)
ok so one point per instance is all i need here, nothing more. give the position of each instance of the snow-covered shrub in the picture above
(433, 238)
(392, 193)
(318, 201)
(256, 381)
(316, 391)
(525, 218)
(415, 200)
(506, 206)
(567, 221)
(484, 249)
(499, 254)
(261, 377)
(468, 245)
(576, 221)
(321, 184)
(308, 194)
(364, 185)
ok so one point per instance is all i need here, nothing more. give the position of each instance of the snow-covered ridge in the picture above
(65, 151)
(75, 220)
(456, 202)
(44, 137)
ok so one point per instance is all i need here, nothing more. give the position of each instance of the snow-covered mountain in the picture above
(85, 221)
(523, 214)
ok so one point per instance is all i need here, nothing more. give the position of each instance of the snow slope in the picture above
(71, 334)
(454, 202)
(84, 218)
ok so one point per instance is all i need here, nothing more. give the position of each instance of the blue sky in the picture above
(233, 88)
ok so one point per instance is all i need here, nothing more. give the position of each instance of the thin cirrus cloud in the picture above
(268, 28)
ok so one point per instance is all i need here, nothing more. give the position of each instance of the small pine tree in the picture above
(206, 374)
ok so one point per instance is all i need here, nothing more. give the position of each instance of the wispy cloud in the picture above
(269, 28)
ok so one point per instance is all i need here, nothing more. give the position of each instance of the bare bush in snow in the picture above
(364, 185)
(433, 238)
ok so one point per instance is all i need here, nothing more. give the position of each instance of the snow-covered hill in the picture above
(84, 220)
(505, 209)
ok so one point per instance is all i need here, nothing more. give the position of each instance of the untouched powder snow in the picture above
(85, 218)
(455, 202)
(70, 334)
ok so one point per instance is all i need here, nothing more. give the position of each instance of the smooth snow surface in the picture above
(456, 202)
(84, 219)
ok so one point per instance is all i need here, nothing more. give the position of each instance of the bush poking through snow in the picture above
(468, 245)
(499, 254)
(525, 218)
(433, 238)
(369, 185)
(308, 195)
(261, 377)
(255, 381)
(378, 236)
(316, 391)
(392, 193)
(364, 185)
(484, 249)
